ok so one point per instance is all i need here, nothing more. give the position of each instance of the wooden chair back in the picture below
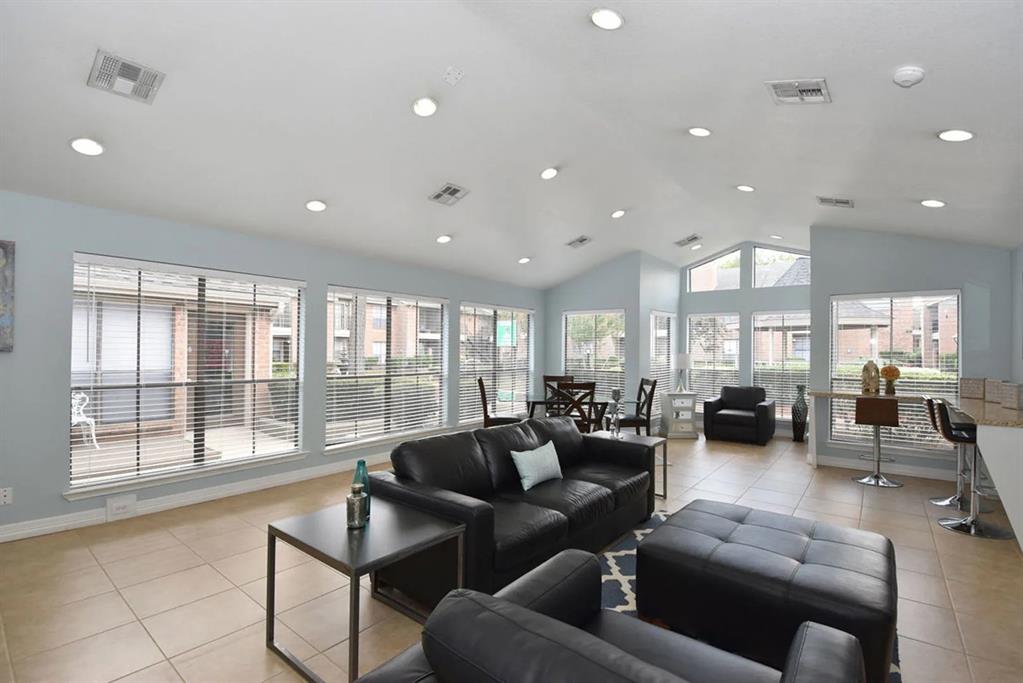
(929, 408)
(483, 400)
(580, 404)
(945, 424)
(883, 412)
(645, 398)
(555, 406)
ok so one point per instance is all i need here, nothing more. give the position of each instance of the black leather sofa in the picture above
(548, 627)
(470, 477)
(739, 414)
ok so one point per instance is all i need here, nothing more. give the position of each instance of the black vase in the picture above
(799, 411)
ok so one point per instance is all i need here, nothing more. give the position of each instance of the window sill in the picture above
(98, 490)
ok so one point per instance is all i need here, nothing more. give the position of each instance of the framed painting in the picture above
(6, 296)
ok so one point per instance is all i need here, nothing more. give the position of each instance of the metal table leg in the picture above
(271, 584)
(353, 629)
(664, 471)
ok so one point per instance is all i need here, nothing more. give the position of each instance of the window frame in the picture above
(708, 260)
(783, 409)
(658, 373)
(767, 247)
(467, 380)
(738, 354)
(564, 345)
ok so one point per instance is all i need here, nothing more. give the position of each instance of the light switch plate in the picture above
(119, 507)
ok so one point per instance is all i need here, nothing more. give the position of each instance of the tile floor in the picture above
(178, 595)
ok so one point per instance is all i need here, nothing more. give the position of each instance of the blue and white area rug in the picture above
(618, 566)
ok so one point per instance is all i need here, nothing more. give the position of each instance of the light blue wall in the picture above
(1017, 315)
(34, 379)
(849, 261)
(658, 291)
(744, 301)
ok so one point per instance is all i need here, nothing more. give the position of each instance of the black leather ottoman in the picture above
(744, 580)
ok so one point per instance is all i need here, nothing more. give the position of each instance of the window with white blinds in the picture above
(386, 372)
(713, 342)
(919, 333)
(175, 368)
(595, 348)
(662, 355)
(781, 356)
(497, 345)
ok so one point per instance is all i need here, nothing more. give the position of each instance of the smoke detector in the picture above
(686, 241)
(835, 201)
(802, 91)
(452, 75)
(124, 77)
(908, 76)
(580, 241)
(449, 194)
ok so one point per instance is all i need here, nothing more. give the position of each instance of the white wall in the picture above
(34, 379)
(1017, 315)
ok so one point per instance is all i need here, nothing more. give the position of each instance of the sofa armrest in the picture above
(821, 654)
(566, 587)
(709, 410)
(624, 453)
(476, 514)
(765, 411)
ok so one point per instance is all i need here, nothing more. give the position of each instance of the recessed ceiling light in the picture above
(443, 239)
(524, 260)
(699, 132)
(424, 107)
(315, 205)
(548, 173)
(955, 135)
(933, 203)
(618, 213)
(777, 237)
(696, 246)
(87, 146)
(607, 19)
(745, 188)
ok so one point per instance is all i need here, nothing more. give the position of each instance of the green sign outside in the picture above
(505, 333)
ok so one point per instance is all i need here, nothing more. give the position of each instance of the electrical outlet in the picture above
(120, 507)
(7, 496)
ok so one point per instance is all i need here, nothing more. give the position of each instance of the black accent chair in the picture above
(740, 414)
(493, 420)
(548, 626)
(644, 407)
(469, 477)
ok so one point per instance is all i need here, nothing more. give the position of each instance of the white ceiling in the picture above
(268, 104)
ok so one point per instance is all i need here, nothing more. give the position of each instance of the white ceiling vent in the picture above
(449, 194)
(123, 77)
(580, 241)
(686, 241)
(452, 75)
(806, 91)
(835, 201)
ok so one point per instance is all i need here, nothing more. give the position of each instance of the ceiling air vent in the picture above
(686, 241)
(449, 194)
(123, 77)
(580, 241)
(835, 201)
(806, 91)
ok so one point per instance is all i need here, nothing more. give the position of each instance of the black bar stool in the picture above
(957, 501)
(879, 412)
(970, 524)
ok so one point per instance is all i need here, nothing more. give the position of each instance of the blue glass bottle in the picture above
(362, 477)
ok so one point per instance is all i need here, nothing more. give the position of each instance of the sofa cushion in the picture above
(568, 441)
(626, 484)
(743, 398)
(452, 461)
(582, 502)
(497, 443)
(537, 466)
(734, 416)
(524, 532)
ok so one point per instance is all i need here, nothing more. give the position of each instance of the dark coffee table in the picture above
(652, 442)
(394, 532)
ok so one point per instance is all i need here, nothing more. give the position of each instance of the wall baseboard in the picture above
(855, 463)
(74, 520)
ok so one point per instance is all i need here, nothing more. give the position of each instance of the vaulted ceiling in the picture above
(267, 105)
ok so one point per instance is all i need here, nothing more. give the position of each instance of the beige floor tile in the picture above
(722, 487)
(133, 545)
(889, 499)
(837, 520)
(766, 507)
(151, 566)
(32, 630)
(246, 567)
(923, 588)
(323, 622)
(41, 562)
(213, 548)
(158, 673)
(901, 536)
(921, 561)
(159, 595)
(768, 483)
(924, 663)
(831, 507)
(982, 598)
(700, 494)
(54, 591)
(903, 519)
(96, 659)
(782, 498)
(215, 525)
(743, 478)
(997, 637)
(6, 672)
(929, 624)
(321, 666)
(240, 656)
(986, 671)
(839, 492)
(378, 643)
(297, 585)
(183, 628)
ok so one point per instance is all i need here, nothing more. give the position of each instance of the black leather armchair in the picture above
(549, 626)
(470, 477)
(740, 414)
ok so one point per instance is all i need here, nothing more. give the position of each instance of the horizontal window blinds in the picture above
(173, 369)
(495, 344)
(713, 342)
(919, 333)
(595, 348)
(385, 365)
(662, 354)
(781, 356)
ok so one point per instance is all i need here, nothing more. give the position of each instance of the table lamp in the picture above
(683, 362)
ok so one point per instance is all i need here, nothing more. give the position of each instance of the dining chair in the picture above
(579, 399)
(644, 407)
(554, 406)
(493, 420)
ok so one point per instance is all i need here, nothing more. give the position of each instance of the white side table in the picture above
(679, 409)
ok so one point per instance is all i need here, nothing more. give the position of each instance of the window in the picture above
(595, 348)
(178, 368)
(888, 329)
(384, 378)
(714, 351)
(775, 268)
(495, 344)
(781, 356)
(662, 356)
(716, 274)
